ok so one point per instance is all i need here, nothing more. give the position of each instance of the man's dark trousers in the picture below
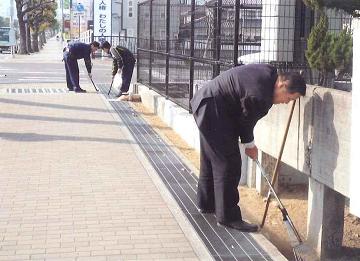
(220, 162)
(126, 75)
(72, 72)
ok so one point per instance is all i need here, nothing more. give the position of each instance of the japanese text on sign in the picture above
(102, 18)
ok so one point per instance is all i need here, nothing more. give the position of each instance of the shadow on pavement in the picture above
(50, 105)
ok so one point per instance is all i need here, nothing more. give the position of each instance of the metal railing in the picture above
(183, 43)
(128, 42)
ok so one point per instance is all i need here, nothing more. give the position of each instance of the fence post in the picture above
(236, 32)
(217, 36)
(137, 43)
(167, 48)
(192, 43)
(214, 40)
(151, 42)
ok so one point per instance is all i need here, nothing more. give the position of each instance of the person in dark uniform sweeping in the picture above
(225, 109)
(72, 53)
(123, 63)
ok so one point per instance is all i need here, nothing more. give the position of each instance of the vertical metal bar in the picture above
(214, 41)
(151, 41)
(236, 32)
(79, 26)
(62, 18)
(93, 21)
(192, 42)
(218, 34)
(167, 48)
(137, 42)
(111, 24)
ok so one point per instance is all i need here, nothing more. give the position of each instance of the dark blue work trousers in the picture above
(72, 71)
(126, 75)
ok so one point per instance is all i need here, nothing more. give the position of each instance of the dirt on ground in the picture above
(293, 197)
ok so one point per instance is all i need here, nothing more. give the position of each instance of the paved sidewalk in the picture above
(72, 183)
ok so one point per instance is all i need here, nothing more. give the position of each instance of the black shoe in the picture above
(240, 225)
(71, 89)
(121, 94)
(79, 90)
(206, 211)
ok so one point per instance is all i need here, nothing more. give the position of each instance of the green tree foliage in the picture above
(23, 8)
(329, 51)
(4, 21)
(341, 52)
(350, 6)
(41, 19)
(318, 48)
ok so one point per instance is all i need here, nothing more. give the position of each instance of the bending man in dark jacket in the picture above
(72, 53)
(124, 63)
(225, 109)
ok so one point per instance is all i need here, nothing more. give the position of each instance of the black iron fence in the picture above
(128, 42)
(182, 43)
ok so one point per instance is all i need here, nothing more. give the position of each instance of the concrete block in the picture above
(355, 126)
(325, 219)
(251, 173)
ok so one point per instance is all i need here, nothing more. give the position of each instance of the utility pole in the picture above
(62, 20)
(79, 26)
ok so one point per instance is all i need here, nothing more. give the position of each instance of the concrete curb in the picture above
(189, 232)
(154, 101)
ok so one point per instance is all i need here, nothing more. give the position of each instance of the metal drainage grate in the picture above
(36, 90)
(222, 243)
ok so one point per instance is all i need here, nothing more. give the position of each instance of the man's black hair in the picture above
(106, 45)
(95, 44)
(296, 82)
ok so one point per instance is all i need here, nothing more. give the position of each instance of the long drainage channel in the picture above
(222, 243)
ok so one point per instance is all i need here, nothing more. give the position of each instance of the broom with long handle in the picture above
(96, 89)
(294, 237)
(275, 172)
(111, 85)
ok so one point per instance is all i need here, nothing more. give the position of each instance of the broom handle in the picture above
(275, 172)
(281, 205)
(111, 85)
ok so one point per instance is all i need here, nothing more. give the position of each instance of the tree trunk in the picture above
(44, 36)
(41, 42)
(35, 40)
(28, 39)
(22, 29)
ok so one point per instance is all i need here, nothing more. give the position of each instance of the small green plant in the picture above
(342, 52)
(319, 48)
(352, 7)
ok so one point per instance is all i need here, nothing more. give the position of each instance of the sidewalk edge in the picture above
(189, 232)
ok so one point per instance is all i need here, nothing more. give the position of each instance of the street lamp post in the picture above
(62, 21)
(79, 25)
(12, 47)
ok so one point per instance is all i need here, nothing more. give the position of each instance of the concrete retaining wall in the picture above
(318, 142)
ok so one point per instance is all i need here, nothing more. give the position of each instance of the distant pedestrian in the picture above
(123, 63)
(72, 53)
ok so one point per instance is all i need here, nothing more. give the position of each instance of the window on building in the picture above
(130, 11)
(130, 14)
(130, 3)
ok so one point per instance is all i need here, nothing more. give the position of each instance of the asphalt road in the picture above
(26, 72)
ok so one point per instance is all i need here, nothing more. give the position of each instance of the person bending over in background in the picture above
(72, 53)
(123, 63)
